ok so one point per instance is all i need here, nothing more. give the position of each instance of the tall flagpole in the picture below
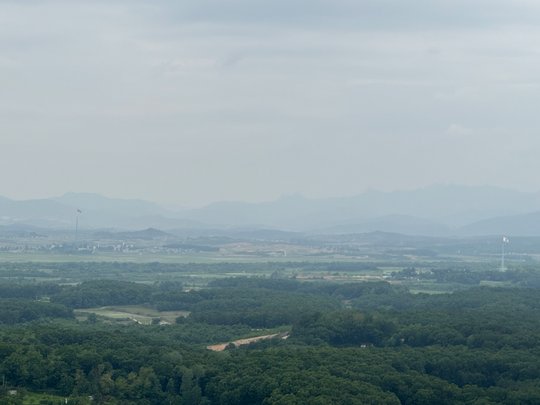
(77, 224)
(505, 240)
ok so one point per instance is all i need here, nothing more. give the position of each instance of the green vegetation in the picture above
(14, 311)
(348, 342)
(135, 313)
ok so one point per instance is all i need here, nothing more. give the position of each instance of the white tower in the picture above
(505, 241)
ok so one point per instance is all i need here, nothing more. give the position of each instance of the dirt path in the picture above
(241, 342)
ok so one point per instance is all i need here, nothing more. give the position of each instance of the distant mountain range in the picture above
(440, 210)
(97, 212)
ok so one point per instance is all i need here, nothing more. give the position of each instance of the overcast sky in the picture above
(195, 101)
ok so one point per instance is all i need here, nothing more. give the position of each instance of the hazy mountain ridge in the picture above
(98, 212)
(145, 234)
(43, 212)
(435, 210)
(518, 225)
(124, 207)
(399, 224)
(438, 210)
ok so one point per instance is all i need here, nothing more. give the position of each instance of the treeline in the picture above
(522, 277)
(115, 365)
(99, 293)
(360, 343)
(256, 307)
(337, 290)
(492, 318)
(28, 290)
(13, 311)
(79, 271)
(479, 346)
(327, 375)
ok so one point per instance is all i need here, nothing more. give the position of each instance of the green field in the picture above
(35, 398)
(44, 257)
(133, 313)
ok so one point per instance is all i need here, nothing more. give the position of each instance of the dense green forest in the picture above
(348, 343)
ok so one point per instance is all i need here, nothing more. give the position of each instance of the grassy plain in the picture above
(170, 258)
(133, 313)
(35, 398)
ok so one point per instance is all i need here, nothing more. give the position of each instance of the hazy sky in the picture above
(195, 101)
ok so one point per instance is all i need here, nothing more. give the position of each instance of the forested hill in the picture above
(352, 343)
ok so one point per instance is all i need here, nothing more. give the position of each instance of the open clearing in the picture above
(241, 342)
(135, 313)
(33, 398)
